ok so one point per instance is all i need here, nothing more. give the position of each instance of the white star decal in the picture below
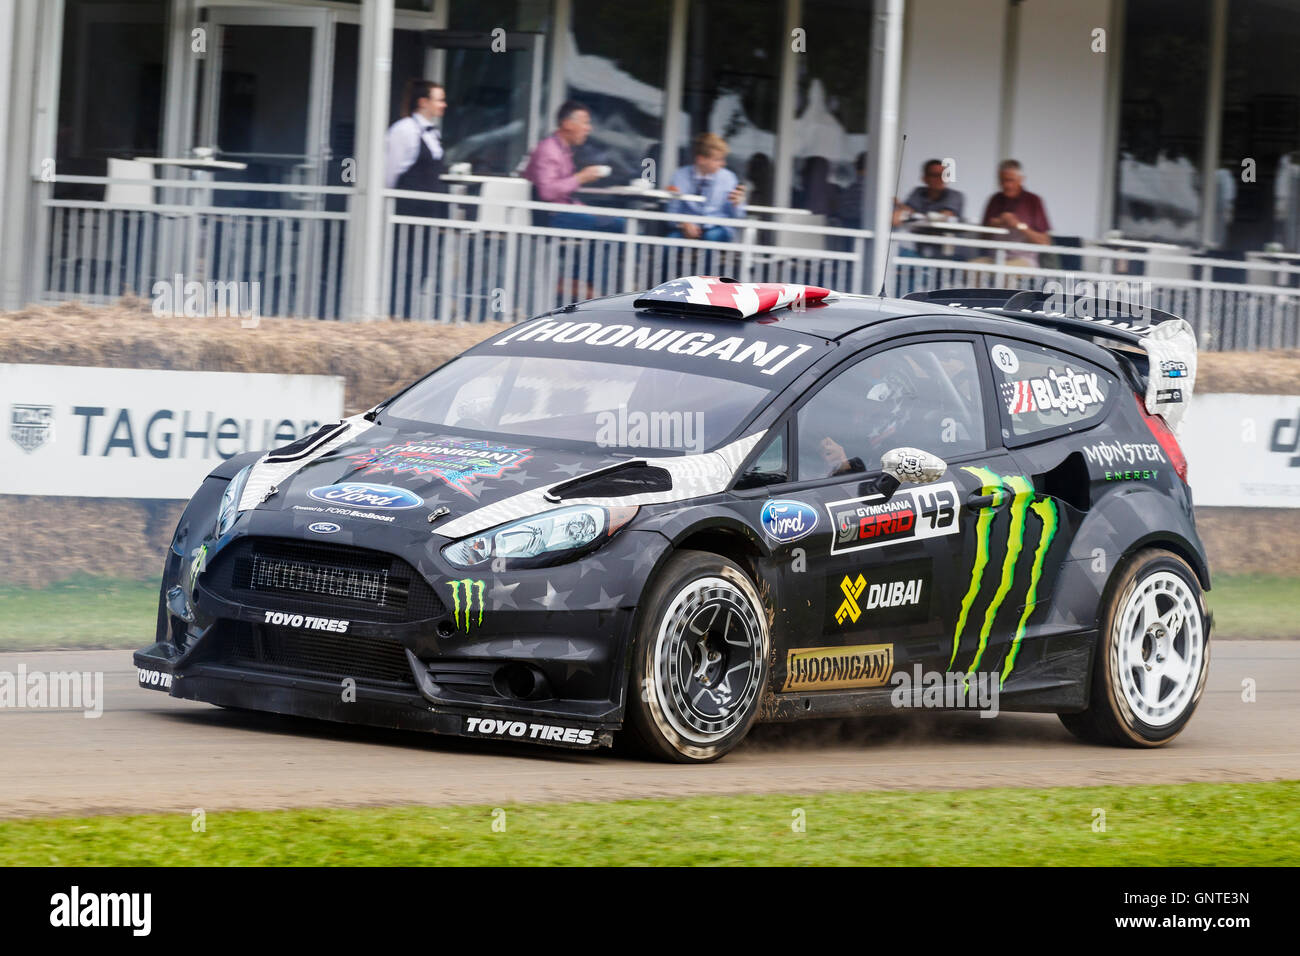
(553, 600)
(570, 469)
(503, 595)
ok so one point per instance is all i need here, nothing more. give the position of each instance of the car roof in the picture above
(808, 332)
(839, 315)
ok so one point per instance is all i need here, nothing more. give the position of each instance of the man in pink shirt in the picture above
(551, 171)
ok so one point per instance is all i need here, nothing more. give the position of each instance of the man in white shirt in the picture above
(413, 160)
(413, 147)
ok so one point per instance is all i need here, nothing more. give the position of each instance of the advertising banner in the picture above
(138, 433)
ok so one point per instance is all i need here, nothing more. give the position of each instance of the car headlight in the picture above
(230, 501)
(542, 539)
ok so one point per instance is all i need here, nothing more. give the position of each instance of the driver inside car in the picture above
(870, 427)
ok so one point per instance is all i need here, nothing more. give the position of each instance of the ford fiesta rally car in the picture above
(672, 514)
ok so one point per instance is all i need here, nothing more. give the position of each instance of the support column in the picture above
(30, 59)
(783, 161)
(366, 224)
(674, 85)
(1214, 125)
(882, 158)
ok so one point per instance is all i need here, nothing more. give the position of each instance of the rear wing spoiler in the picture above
(1168, 341)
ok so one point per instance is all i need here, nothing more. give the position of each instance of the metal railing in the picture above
(289, 260)
(506, 263)
(457, 268)
(1248, 313)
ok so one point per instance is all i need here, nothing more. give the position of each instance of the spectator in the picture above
(758, 172)
(933, 197)
(709, 177)
(1018, 210)
(818, 194)
(413, 147)
(551, 171)
(849, 214)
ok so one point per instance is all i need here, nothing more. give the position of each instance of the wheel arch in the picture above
(1169, 541)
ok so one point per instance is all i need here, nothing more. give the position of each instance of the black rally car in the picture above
(671, 514)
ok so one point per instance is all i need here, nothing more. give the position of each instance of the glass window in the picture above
(99, 120)
(617, 66)
(489, 94)
(623, 406)
(1261, 124)
(1162, 119)
(769, 468)
(925, 395)
(830, 126)
(1041, 390)
(733, 70)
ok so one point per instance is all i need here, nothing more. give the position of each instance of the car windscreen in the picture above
(608, 404)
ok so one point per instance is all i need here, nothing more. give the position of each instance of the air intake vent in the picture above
(300, 576)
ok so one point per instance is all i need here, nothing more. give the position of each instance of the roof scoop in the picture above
(727, 298)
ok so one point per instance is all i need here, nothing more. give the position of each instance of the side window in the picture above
(925, 395)
(769, 468)
(1042, 390)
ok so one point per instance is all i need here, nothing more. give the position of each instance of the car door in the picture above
(1053, 409)
(882, 576)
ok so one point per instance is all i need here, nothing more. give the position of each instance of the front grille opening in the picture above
(302, 576)
(316, 654)
(281, 576)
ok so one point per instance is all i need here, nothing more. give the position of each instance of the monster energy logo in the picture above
(473, 590)
(1022, 503)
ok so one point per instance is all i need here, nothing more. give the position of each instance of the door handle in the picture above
(977, 500)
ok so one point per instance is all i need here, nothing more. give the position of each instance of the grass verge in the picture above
(81, 612)
(1254, 605)
(1175, 825)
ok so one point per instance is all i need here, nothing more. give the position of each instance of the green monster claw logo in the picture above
(1022, 502)
(469, 586)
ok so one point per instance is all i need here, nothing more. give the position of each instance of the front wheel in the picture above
(1153, 655)
(700, 660)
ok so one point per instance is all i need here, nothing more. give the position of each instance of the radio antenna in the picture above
(889, 236)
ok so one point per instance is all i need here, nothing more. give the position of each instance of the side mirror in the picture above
(903, 465)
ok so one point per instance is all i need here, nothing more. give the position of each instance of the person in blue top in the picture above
(709, 177)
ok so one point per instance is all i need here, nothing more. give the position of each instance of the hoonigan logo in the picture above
(466, 594)
(1023, 503)
(456, 461)
(838, 668)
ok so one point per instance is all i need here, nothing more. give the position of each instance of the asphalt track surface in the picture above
(150, 753)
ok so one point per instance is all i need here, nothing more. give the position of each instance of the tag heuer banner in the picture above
(132, 433)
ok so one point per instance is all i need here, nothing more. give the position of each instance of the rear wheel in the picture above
(700, 660)
(1153, 655)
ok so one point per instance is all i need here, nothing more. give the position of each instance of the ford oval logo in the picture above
(361, 494)
(323, 527)
(787, 521)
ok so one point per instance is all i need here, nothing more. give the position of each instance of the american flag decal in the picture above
(738, 300)
(1019, 397)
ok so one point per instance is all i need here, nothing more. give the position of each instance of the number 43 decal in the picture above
(939, 507)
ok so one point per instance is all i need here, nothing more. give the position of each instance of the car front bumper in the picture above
(421, 706)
